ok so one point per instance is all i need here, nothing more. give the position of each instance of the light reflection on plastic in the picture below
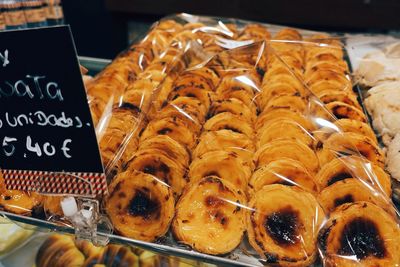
(287, 179)
(327, 124)
(244, 79)
(226, 30)
(237, 204)
(183, 112)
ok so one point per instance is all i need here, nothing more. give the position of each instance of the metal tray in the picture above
(244, 255)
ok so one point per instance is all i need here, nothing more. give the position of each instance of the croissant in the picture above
(59, 250)
(360, 233)
(113, 255)
(210, 216)
(282, 225)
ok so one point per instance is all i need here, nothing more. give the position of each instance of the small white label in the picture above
(69, 206)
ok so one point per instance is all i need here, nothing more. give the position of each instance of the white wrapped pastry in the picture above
(383, 104)
(380, 66)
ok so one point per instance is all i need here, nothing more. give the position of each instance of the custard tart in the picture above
(283, 129)
(157, 162)
(355, 126)
(342, 110)
(282, 225)
(278, 114)
(52, 206)
(169, 146)
(225, 165)
(229, 121)
(352, 190)
(140, 206)
(210, 216)
(201, 79)
(337, 66)
(191, 107)
(328, 96)
(277, 89)
(347, 167)
(254, 32)
(322, 85)
(174, 128)
(241, 87)
(344, 144)
(225, 140)
(283, 171)
(203, 96)
(292, 149)
(21, 202)
(360, 234)
(234, 106)
(289, 102)
(288, 34)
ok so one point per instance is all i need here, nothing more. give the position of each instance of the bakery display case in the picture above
(234, 143)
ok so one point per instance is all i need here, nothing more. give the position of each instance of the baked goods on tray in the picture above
(234, 141)
(360, 231)
(379, 74)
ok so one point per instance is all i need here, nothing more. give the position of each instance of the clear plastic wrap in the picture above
(376, 60)
(242, 143)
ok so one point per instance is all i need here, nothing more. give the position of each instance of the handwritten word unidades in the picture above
(40, 118)
(32, 87)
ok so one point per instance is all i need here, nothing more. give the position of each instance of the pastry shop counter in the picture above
(235, 143)
(33, 248)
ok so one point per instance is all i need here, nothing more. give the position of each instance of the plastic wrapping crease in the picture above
(241, 141)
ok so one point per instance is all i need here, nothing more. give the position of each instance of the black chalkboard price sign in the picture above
(47, 139)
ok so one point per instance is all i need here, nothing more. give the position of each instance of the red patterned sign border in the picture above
(82, 184)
